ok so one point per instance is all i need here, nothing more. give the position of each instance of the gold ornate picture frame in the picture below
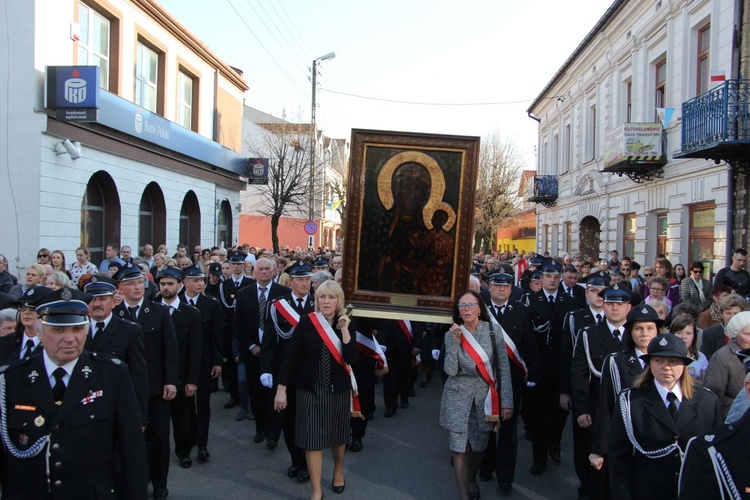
(409, 223)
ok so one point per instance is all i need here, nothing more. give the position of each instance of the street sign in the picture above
(311, 227)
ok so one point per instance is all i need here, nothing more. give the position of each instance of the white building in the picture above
(162, 162)
(640, 56)
(264, 136)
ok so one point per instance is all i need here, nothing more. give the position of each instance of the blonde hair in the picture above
(686, 381)
(331, 286)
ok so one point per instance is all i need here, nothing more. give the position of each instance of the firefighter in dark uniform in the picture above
(210, 364)
(366, 370)
(402, 339)
(514, 318)
(187, 326)
(535, 264)
(300, 302)
(162, 362)
(117, 336)
(542, 402)
(214, 280)
(70, 415)
(227, 294)
(717, 464)
(595, 343)
(574, 322)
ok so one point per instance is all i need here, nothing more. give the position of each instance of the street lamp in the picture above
(313, 134)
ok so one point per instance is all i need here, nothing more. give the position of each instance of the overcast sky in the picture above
(496, 52)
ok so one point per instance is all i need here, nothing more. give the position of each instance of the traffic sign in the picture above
(311, 227)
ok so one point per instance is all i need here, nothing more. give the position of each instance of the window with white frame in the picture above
(146, 77)
(555, 151)
(628, 101)
(94, 44)
(703, 69)
(184, 99)
(591, 135)
(660, 88)
(567, 149)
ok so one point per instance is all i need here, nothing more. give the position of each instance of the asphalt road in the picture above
(404, 457)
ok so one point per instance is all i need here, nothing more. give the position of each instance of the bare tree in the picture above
(287, 146)
(497, 200)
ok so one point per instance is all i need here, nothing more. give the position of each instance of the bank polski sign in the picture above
(73, 91)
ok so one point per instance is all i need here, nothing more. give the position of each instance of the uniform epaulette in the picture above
(14, 364)
(129, 321)
(106, 358)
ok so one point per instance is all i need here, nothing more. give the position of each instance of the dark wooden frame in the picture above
(371, 152)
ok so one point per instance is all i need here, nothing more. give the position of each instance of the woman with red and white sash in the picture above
(317, 361)
(471, 405)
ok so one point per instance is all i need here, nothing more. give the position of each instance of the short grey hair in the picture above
(738, 322)
(8, 314)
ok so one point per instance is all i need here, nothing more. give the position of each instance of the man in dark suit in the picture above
(546, 419)
(403, 342)
(210, 363)
(187, 327)
(513, 318)
(68, 413)
(251, 323)
(228, 290)
(595, 343)
(282, 311)
(574, 322)
(117, 336)
(162, 362)
(569, 286)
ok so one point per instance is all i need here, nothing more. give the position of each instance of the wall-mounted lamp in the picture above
(68, 147)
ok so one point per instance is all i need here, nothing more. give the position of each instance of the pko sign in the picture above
(73, 91)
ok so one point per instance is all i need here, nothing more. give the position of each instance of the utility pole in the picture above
(314, 133)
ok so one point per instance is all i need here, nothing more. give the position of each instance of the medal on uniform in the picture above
(39, 421)
(86, 372)
(33, 376)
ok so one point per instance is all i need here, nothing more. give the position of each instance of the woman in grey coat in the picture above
(726, 373)
(466, 393)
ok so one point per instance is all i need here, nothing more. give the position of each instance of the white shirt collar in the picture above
(50, 366)
(139, 304)
(638, 355)
(174, 303)
(188, 297)
(304, 297)
(26, 338)
(612, 328)
(663, 391)
(594, 313)
(105, 321)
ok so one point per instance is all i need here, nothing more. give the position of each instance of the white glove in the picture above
(435, 354)
(267, 380)
(384, 348)
(419, 358)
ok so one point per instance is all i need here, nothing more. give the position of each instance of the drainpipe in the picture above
(538, 120)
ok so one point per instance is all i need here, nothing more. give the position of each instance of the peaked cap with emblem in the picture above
(615, 293)
(31, 295)
(597, 279)
(129, 272)
(214, 269)
(643, 312)
(194, 272)
(99, 286)
(320, 263)
(64, 307)
(299, 271)
(537, 261)
(501, 279)
(551, 267)
(170, 272)
(237, 257)
(667, 345)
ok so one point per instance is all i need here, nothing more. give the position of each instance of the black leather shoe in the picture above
(537, 469)
(231, 403)
(260, 437)
(389, 412)
(356, 445)
(369, 416)
(338, 489)
(303, 476)
(412, 393)
(161, 494)
(271, 444)
(554, 454)
(203, 455)
(292, 471)
(485, 476)
(404, 403)
(505, 488)
(185, 463)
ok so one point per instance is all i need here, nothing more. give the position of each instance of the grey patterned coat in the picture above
(465, 386)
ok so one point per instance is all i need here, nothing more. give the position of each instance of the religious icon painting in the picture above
(409, 222)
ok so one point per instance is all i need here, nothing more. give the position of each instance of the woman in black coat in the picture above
(654, 421)
(324, 389)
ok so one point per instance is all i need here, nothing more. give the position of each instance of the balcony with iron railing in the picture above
(716, 124)
(543, 190)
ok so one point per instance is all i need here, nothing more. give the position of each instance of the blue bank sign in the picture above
(119, 114)
(73, 91)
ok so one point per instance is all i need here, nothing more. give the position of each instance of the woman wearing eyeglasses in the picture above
(472, 405)
(663, 267)
(696, 289)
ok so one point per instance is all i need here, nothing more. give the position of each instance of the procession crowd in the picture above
(650, 360)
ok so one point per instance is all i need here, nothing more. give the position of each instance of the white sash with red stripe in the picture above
(510, 348)
(405, 325)
(370, 348)
(484, 367)
(287, 311)
(329, 338)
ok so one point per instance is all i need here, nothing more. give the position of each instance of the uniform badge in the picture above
(33, 376)
(631, 359)
(66, 294)
(644, 310)
(23, 439)
(39, 421)
(616, 286)
(86, 372)
(709, 438)
(116, 361)
(663, 342)
(231, 296)
(122, 314)
(93, 279)
(30, 292)
(146, 310)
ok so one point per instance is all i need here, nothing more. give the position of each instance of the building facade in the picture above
(287, 147)
(159, 162)
(610, 121)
